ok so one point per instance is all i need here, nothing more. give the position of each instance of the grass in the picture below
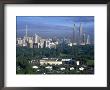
(90, 62)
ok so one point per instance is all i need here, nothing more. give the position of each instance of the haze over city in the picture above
(54, 26)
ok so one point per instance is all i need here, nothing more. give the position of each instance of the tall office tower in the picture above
(80, 33)
(74, 39)
(24, 42)
(30, 39)
(26, 36)
(42, 43)
(84, 39)
(88, 40)
(37, 38)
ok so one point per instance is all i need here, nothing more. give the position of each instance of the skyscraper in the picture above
(88, 40)
(84, 39)
(26, 34)
(74, 41)
(37, 38)
(80, 33)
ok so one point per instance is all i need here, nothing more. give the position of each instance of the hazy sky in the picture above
(54, 24)
(56, 20)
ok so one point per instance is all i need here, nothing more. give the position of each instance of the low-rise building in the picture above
(62, 68)
(71, 68)
(81, 68)
(50, 62)
(35, 67)
(66, 59)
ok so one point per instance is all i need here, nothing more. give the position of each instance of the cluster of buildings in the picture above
(54, 61)
(36, 42)
(78, 38)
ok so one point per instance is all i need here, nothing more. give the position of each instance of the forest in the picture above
(25, 54)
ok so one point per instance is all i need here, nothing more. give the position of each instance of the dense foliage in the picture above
(25, 54)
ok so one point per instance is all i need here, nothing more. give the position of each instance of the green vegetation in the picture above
(90, 62)
(86, 51)
(24, 55)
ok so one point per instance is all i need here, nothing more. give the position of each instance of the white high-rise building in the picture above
(19, 41)
(30, 39)
(52, 45)
(26, 34)
(42, 43)
(24, 42)
(37, 38)
(38, 45)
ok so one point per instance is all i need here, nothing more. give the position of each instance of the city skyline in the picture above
(51, 26)
(79, 37)
(55, 45)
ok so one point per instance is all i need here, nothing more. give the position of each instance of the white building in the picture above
(35, 67)
(66, 59)
(24, 42)
(50, 62)
(48, 43)
(37, 38)
(56, 42)
(81, 68)
(19, 41)
(30, 39)
(52, 45)
(71, 68)
(88, 40)
(74, 43)
(42, 43)
(77, 62)
(62, 68)
(70, 44)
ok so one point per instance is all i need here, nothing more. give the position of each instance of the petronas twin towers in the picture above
(79, 36)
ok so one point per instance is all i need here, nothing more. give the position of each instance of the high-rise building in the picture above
(26, 34)
(42, 43)
(24, 42)
(80, 34)
(52, 45)
(19, 41)
(84, 39)
(48, 43)
(37, 38)
(30, 39)
(74, 41)
(88, 40)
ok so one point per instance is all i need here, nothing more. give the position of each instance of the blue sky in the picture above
(54, 24)
(56, 20)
